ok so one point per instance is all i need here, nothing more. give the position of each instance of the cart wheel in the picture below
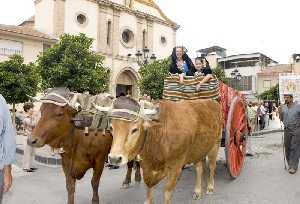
(235, 141)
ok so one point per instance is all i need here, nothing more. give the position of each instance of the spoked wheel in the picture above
(235, 141)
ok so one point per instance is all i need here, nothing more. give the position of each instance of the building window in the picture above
(108, 40)
(127, 38)
(163, 40)
(144, 39)
(267, 84)
(81, 19)
(245, 84)
(46, 47)
(10, 47)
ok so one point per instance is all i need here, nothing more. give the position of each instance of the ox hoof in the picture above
(138, 178)
(95, 201)
(210, 191)
(196, 196)
(125, 185)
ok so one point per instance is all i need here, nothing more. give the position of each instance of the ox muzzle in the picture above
(117, 160)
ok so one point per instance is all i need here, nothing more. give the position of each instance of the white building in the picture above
(119, 28)
(248, 65)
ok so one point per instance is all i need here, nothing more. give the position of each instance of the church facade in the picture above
(119, 28)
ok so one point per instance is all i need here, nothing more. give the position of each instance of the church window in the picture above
(144, 38)
(108, 40)
(127, 38)
(163, 40)
(81, 19)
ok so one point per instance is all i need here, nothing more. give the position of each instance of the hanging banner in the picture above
(289, 84)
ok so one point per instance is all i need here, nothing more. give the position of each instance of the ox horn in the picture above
(146, 112)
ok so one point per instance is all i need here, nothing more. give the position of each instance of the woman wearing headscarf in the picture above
(181, 63)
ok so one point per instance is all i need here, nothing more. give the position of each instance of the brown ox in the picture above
(186, 132)
(81, 152)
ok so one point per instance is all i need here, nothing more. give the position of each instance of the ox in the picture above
(80, 151)
(186, 132)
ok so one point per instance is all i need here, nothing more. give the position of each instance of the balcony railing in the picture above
(9, 51)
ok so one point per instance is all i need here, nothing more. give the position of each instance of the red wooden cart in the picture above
(235, 128)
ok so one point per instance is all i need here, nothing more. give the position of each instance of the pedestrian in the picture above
(291, 119)
(7, 147)
(261, 111)
(29, 124)
(251, 113)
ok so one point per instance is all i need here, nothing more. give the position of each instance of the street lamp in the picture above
(143, 56)
(236, 76)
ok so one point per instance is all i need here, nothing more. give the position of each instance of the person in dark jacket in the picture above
(203, 68)
(181, 63)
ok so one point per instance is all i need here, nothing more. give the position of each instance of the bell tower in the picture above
(50, 16)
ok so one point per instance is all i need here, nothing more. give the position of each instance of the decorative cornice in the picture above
(138, 13)
(37, 1)
(152, 4)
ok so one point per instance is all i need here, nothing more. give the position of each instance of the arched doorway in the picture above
(126, 83)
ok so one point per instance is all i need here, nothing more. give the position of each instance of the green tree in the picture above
(71, 63)
(152, 78)
(18, 80)
(271, 94)
(220, 74)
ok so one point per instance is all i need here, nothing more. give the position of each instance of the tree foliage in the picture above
(271, 94)
(18, 80)
(220, 74)
(71, 63)
(152, 78)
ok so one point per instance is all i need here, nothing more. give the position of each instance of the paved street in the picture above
(262, 181)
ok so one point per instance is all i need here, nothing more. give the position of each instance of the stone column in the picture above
(59, 17)
(102, 30)
(139, 34)
(174, 37)
(150, 35)
(116, 33)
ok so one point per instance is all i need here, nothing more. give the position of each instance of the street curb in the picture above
(42, 159)
(263, 132)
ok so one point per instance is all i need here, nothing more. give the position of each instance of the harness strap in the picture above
(146, 135)
(59, 96)
(125, 111)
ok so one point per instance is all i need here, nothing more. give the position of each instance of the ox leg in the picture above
(198, 183)
(212, 158)
(95, 183)
(150, 192)
(137, 176)
(71, 181)
(127, 180)
(170, 185)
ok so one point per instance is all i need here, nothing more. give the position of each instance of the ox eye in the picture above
(134, 130)
(59, 114)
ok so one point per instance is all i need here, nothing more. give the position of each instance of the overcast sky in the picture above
(241, 26)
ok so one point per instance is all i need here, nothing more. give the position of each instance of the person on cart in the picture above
(181, 63)
(291, 119)
(203, 68)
